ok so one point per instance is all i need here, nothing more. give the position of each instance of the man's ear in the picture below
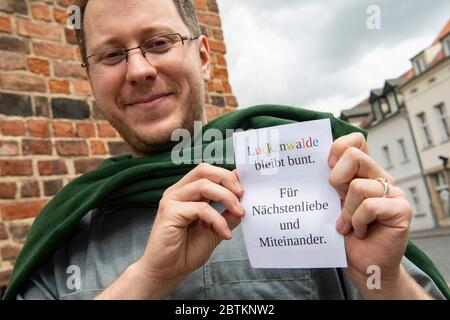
(205, 58)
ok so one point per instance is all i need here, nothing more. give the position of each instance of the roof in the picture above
(445, 31)
(435, 57)
(353, 112)
(394, 82)
(375, 93)
(362, 109)
(408, 75)
(391, 84)
(367, 121)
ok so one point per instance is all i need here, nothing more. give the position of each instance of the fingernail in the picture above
(239, 188)
(332, 161)
(240, 209)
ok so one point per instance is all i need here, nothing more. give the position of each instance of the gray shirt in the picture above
(108, 240)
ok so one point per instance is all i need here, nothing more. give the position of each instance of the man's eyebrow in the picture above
(154, 31)
(116, 42)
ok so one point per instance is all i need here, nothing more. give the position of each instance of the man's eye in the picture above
(111, 57)
(159, 44)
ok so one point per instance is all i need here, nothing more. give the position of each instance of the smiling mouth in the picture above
(150, 103)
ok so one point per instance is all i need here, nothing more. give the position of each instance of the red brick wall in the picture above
(50, 128)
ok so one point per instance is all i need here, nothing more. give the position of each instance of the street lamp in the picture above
(447, 176)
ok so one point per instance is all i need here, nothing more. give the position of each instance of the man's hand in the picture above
(187, 229)
(185, 232)
(375, 228)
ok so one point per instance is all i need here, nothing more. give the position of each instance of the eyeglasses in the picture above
(152, 49)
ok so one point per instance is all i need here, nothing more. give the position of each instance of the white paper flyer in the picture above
(291, 209)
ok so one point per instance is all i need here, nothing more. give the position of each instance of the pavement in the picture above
(436, 244)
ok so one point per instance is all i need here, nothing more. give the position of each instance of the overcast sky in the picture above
(320, 54)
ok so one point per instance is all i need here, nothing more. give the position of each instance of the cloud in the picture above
(320, 54)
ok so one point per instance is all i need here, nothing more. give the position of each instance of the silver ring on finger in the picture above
(386, 186)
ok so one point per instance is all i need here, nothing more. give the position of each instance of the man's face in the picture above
(127, 98)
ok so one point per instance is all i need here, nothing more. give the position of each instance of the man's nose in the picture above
(139, 69)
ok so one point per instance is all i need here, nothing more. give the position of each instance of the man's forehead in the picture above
(108, 20)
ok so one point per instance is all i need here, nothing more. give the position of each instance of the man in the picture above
(146, 92)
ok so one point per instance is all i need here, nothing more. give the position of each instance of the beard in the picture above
(159, 141)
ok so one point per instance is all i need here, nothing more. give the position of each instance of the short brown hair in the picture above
(185, 8)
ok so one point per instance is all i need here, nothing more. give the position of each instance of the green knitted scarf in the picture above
(124, 180)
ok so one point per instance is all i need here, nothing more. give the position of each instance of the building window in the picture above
(404, 153)
(443, 121)
(392, 102)
(385, 109)
(416, 200)
(442, 190)
(419, 65)
(425, 130)
(377, 111)
(446, 43)
(387, 157)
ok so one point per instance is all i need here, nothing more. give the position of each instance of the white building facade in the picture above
(427, 99)
(392, 145)
(409, 132)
